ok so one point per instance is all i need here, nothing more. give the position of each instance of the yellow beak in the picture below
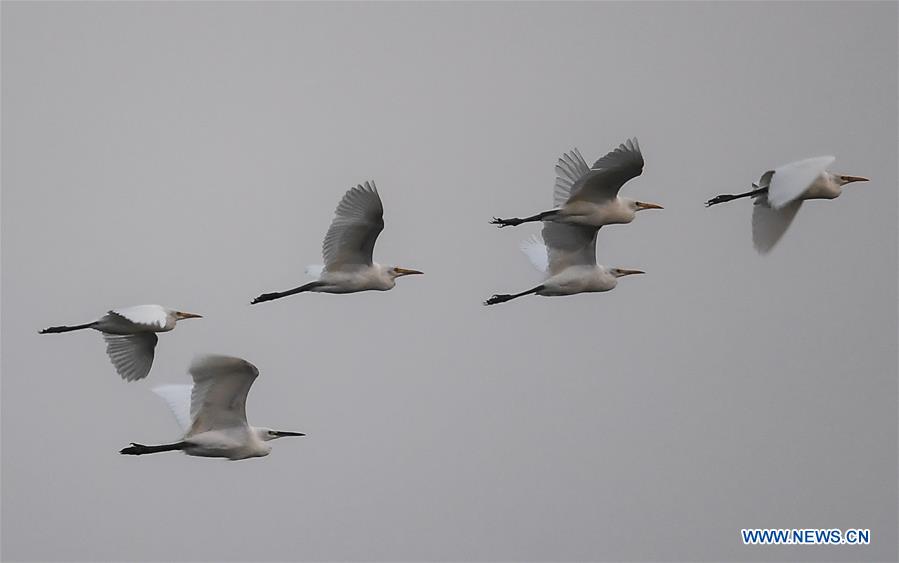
(643, 205)
(189, 315)
(406, 272)
(850, 179)
(625, 272)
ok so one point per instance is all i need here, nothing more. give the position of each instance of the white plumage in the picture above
(348, 249)
(212, 412)
(129, 333)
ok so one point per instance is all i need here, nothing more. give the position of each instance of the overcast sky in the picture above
(192, 155)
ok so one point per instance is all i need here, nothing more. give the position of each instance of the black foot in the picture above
(502, 298)
(505, 222)
(264, 297)
(135, 449)
(719, 199)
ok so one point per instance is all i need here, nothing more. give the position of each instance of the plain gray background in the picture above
(192, 155)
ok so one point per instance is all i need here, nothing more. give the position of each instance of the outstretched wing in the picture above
(150, 316)
(219, 397)
(790, 180)
(535, 249)
(769, 224)
(177, 397)
(609, 173)
(570, 168)
(358, 220)
(131, 354)
(569, 245)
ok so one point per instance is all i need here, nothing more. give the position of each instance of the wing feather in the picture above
(131, 354)
(535, 249)
(569, 245)
(177, 397)
(219, 397)
(358, 220)
(151, 316)
(609, 173)
(569, 169)
(790, 180)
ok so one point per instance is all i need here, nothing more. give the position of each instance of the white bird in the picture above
(347, 250)
(213, 412)
(796, 181)
(567, 254)
(130, 336)
(589, 195)
(779, 194)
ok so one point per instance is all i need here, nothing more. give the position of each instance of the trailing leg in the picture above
(729, 197)
(503, 297)
(140, 449)
(517, 221)
(64, 328)
(278, 295)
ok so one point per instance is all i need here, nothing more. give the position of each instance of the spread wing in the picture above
(569, 245)
(177, 397)
(534, 248)
(219, 397)
(769, 224)
(789, 181)
(609, 173)
(131, 354)
(570, 168)
(358, 221)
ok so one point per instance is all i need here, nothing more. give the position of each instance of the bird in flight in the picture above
(567, 255)
(589, 195)
(347, 250)
(213, 412)
(130, 335)
(796, 181)
(780, 192)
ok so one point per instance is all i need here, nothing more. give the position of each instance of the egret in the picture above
(589, 195)
(347, 250)
(796, 181)
(567, 254)
(779, 194)
(130, 336)
(213, 412)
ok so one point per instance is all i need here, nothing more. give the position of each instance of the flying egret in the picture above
(213, 412)
(347, 250)
(130, 336)
(779, 194)
(796, 181)
(589, 195)
(567, 254)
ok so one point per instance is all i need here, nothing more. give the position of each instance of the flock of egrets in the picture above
(212, 411)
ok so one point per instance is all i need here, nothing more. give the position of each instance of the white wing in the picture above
(131, 354)
(153, 316)
(569, 245)
(358, 221)
(315, 270)
(534, 248)
(790, 180)
(769, 224)
(609, 173)
(570, 168)
(219, 397)
(177, 397)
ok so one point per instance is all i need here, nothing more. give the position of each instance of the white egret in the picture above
(347, 250)
(796, 181)
(213, 412)
(130, 336)
(589, 195)
(567, 254)
(779, 194)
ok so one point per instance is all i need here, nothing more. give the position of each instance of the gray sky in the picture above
(192, 155)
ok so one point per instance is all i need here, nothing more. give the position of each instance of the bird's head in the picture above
(181, 315)
(621, 272)
(267, 434)
(641, 205)
(397, 272)
(843, 179)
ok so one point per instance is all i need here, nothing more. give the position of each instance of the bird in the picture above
(130, 335)
(780, 192)
(213, 412)
(567, 255)
(589, 195)
(347, 250)
(796, 181)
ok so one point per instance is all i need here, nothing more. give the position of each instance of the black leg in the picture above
(278, 295)
(140, 449)
(54, 329)
(503, 297)
(730, 197)
(518, 221)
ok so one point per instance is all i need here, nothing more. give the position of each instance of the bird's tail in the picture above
(279, 294)
(64, 328)
(140, 449)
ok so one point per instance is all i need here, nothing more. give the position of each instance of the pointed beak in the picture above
(406, 272)
(850, 179)
(643, 205)
(625, 272)
(189, 315)
(281, 433)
